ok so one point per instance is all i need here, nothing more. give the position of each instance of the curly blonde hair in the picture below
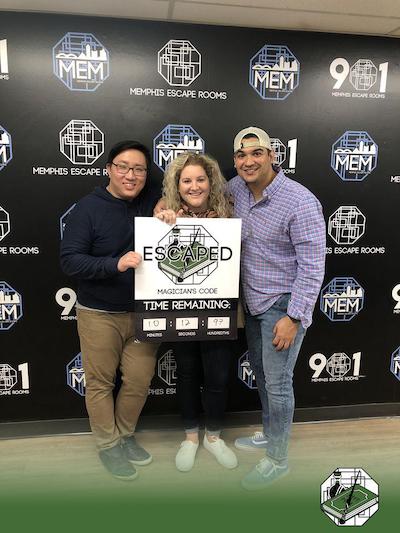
(217, 200)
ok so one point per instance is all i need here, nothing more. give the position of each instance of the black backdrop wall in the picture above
(72, 86)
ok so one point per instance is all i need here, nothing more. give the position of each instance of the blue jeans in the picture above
(274, 375)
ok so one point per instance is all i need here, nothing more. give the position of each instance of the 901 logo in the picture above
(338, 367)
(66, 298)
(14, 381)
(362, 76)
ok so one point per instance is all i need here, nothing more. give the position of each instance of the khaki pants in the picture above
(107, 343)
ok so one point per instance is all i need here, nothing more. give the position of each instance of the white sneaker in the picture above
(221, 452)
(184, 459)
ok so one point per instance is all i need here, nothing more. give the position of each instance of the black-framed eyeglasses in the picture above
(124, 169)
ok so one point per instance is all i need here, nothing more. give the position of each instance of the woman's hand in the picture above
(167, 215)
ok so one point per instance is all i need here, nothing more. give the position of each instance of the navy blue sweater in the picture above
(98, 232)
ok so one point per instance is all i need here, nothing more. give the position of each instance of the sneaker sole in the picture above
(250, 448)
(125, 478)
(144, 462)
(261, 487)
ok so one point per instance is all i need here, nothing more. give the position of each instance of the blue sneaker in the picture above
(258, 441)
(264, 474)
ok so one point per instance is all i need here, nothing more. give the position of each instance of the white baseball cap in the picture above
(263, 139)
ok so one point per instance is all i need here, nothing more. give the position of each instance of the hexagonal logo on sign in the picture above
(245, 373)
(174, 140)
(190, 254)
(76, 375)
(8, 377)
(338, 365)
(395, 363)
(167, 368)
(10, 306)
(342, 299)
(274, 72)
(279, 150)
(346, 225)
(63, 220)
(81, 62)
(363, 75)
(6, 152)
(82, 142)
(349, 496)
(354, 155)
(179, 63)
(5, 225)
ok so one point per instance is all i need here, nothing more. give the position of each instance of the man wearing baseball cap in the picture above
(283, 261)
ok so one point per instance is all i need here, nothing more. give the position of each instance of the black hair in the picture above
(129, 145)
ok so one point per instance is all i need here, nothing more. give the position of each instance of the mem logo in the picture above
(349, 496)
(76, 375)
(342, 299)
(346, 225)
(354, 156)
(274, 72)
(6, 152)
(179, 63)
(82, 142)
(188, 254)
(395, 363)
(174, 140)
(81, 62)
(10, 306)
(245, 373)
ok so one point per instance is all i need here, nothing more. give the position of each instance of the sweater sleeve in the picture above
(76, 258)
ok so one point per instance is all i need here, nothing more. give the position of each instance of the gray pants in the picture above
(107, 343)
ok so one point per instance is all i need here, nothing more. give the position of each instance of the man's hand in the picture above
(129, 260)
(285, 331)
(167, 215)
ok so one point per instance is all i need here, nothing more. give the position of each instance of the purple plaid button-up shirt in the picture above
(283, 246)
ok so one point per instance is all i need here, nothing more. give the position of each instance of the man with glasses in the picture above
(97, 250)
(283, 261)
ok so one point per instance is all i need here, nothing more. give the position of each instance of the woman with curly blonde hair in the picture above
(216, 201)
(195, 187)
